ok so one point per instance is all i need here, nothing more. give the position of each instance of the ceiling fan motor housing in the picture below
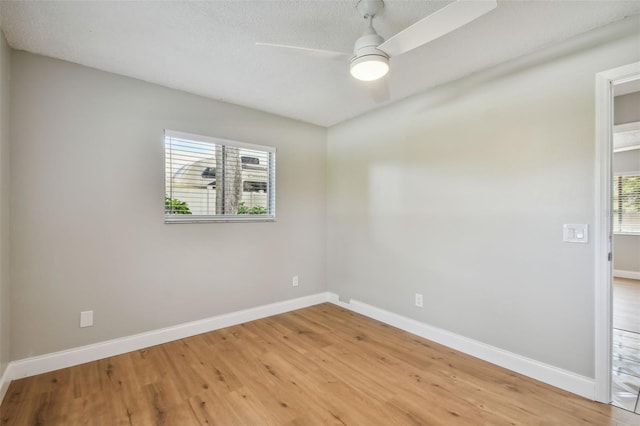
(369, 63)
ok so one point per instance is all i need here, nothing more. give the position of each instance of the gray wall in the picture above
(461, 193)
(626, 108)
(626, 253)
(87, 171)
(626, 248)
(5, 332)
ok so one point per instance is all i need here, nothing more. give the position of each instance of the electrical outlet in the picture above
(86, 319)
(295, 281)
(419, 301)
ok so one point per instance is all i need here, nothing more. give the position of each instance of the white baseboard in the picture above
(563, 379)
(4, 384)
(633, 275)
(554, 376)
(57, 360)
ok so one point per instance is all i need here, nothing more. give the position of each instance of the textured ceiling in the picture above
(208, 48)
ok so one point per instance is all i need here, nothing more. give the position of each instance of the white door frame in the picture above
(602, 241)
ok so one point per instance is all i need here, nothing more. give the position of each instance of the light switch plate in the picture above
(575, 233)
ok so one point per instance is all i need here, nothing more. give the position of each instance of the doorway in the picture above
(611, 364)
(625, 373)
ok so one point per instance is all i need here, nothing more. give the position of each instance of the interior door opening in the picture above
(625, 227)
(603, 240)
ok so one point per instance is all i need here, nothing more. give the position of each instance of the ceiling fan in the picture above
(371, 53)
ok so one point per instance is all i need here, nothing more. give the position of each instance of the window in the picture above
(626, 204)
(209, 180)
(254, 186)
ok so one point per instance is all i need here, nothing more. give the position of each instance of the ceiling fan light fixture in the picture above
(369, 67)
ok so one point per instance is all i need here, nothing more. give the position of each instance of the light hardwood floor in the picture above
(321, 365)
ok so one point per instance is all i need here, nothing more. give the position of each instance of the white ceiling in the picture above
(208, 48)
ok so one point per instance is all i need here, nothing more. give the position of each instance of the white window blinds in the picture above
(626, 204)
(210, 179)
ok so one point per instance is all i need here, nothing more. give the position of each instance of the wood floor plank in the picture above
(321, 365)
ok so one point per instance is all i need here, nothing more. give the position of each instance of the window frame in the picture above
(614, 214)
(271, 182)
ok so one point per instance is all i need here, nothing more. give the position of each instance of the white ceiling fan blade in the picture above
(443, 21)
(329, 54)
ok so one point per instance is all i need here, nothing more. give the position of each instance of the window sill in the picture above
(219, 219)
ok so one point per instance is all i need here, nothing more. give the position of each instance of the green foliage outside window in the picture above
(175, 206)
(243, 209)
